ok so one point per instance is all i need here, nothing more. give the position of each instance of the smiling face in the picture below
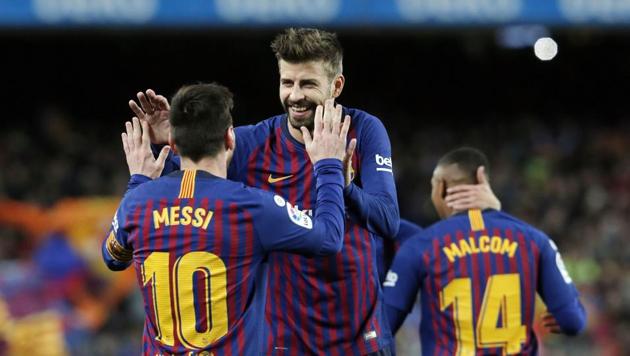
(303, 86)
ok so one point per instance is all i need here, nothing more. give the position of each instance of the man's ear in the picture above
(171, 143)
(442, 188)
(338, 84)
(230, 139)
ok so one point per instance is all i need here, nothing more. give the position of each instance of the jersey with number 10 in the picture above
(198, 243)
(478, 274)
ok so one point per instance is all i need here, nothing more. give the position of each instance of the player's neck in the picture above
(295, 133)
(216, 166)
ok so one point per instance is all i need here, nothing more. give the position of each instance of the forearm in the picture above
(329, 211)
(395, 317)
(571, 318)
(114, 255)
(378, 213)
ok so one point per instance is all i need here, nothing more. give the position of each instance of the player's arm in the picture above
(558, 291)
(374, 204)
(287, 228)
(282, 227)
(406, 230)
(116, 253)
(473, 196)
(143, 168)
(402, 282)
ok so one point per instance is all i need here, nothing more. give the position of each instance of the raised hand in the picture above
(137, 147)
(473, 196)
(329, 134)
(154, 110)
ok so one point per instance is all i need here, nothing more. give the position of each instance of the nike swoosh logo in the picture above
(272, 180)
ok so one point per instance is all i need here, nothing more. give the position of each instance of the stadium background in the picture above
(438, 73)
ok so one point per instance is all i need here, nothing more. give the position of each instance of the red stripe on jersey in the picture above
(294, 170)
(354, 288)
(527, 283)
(217, 248)
(203, 233)
(476, 276)
(450, 275)
(438, 284)
(429, 286)
(287, 260)
(499, 257)
(232, 282)
(535, 256)
(267, 153)
(249, 253)
(252, 161)
(280, 164)
(463, 269)
(368, 243)
(332, 265)
(188, 231)
(172, 246)
(343, 289)
(142, 242)
(484, 283)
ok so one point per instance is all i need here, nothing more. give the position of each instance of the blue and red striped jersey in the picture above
(329, 305)
(478, 274)
(199, 245)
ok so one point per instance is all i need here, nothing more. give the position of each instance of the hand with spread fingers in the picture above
(154, 110)
(137, 147)
(329, 139)
(473, 196)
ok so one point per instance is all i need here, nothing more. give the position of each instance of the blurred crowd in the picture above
(61, 179)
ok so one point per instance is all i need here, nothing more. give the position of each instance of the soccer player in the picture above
(478, 273)
(463, 197)
(198, 241)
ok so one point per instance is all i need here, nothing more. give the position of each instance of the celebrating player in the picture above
(198, 240)
(478, 272)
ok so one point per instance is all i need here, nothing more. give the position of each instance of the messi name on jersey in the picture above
(177, 215)
(494, 244)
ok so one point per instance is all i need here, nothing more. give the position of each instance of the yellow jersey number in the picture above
(155, 270)
(502, 298)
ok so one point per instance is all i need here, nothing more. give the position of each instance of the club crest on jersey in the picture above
(383, 164)
(298, 217)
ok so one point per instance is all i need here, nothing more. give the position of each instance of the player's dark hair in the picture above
(200, 116)
(298, 45)
(468, 159)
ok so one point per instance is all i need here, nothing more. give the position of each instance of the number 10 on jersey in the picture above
(156, 272)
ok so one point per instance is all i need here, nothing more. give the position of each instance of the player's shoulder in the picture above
(259, 131)
(506, 220)
(159, 187)
(420, 241)
(361, 118)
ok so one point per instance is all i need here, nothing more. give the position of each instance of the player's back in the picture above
(481, 274)
(199, 263)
